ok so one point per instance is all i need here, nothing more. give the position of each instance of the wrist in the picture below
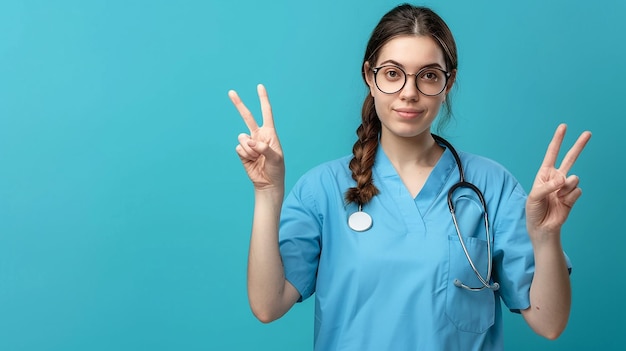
(274, 194)
(546, 240)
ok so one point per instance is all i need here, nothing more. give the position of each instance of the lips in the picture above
(408, 112)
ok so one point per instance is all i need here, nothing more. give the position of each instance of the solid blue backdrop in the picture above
(124, 210)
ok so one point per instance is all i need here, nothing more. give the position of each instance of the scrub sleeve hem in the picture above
(303, 291)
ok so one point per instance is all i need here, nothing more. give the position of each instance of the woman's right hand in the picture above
(260, 151)
(269, 293)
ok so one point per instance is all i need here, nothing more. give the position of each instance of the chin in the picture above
(409, 134)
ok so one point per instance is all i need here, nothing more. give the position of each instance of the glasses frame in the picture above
(377, 69)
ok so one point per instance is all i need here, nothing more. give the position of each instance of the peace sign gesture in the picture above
(554, 192)
(260, 151)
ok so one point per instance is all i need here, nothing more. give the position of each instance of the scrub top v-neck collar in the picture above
(387, 178)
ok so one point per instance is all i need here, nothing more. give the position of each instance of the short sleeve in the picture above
(300, 239)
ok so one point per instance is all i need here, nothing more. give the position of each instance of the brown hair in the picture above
(404, 19)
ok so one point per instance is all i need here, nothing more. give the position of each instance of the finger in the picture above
(251, 149)
(266, 107)
(540, 190)
(570, 184)
(555, 145)
(573, 153)
(246, 144)
(243, 155)
(243, 111)
(570, 199)
(264, 149)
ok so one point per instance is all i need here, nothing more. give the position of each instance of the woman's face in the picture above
(407, 113)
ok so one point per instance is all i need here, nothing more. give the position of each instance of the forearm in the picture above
(266, 278)
(550, 291)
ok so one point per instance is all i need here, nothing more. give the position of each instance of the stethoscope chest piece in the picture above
(360, 221)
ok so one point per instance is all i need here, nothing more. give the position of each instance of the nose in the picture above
(409, 91)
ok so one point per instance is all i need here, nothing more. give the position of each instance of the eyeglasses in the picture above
(430, 81)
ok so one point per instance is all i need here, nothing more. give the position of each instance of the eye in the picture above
(392, 73)
(431, 76)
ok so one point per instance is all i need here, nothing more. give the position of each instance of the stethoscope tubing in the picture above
(485, 281)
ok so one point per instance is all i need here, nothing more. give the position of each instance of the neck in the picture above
(420, 150)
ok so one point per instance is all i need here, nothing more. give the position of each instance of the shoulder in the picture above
(324, 177)
(319, 187)
(481, 162)
(335, 169)
(490, 173)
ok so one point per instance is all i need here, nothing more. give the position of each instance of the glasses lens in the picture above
(431, 81)
(390, 79)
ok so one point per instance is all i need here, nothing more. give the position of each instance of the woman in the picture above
(372, 234)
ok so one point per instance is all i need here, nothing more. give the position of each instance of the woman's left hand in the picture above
(554, 192)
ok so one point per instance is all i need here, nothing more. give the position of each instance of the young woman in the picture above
(407, 244)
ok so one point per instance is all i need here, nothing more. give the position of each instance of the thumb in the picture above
(542, 190)
(264, 149)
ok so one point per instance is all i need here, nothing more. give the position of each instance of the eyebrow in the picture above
(396, 63)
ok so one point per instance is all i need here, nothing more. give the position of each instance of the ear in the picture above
(451, 81)
(449, 85)
(369, 77)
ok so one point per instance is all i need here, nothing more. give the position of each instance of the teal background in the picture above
(124, 210)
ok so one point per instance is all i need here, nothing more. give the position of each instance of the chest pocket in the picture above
(471, 311)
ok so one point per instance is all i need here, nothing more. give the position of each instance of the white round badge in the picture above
(360, 221)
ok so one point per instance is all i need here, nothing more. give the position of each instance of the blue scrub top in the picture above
(391, 287)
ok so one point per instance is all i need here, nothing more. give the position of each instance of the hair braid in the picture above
(364, 151)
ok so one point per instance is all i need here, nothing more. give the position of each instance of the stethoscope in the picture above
(361, 221)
